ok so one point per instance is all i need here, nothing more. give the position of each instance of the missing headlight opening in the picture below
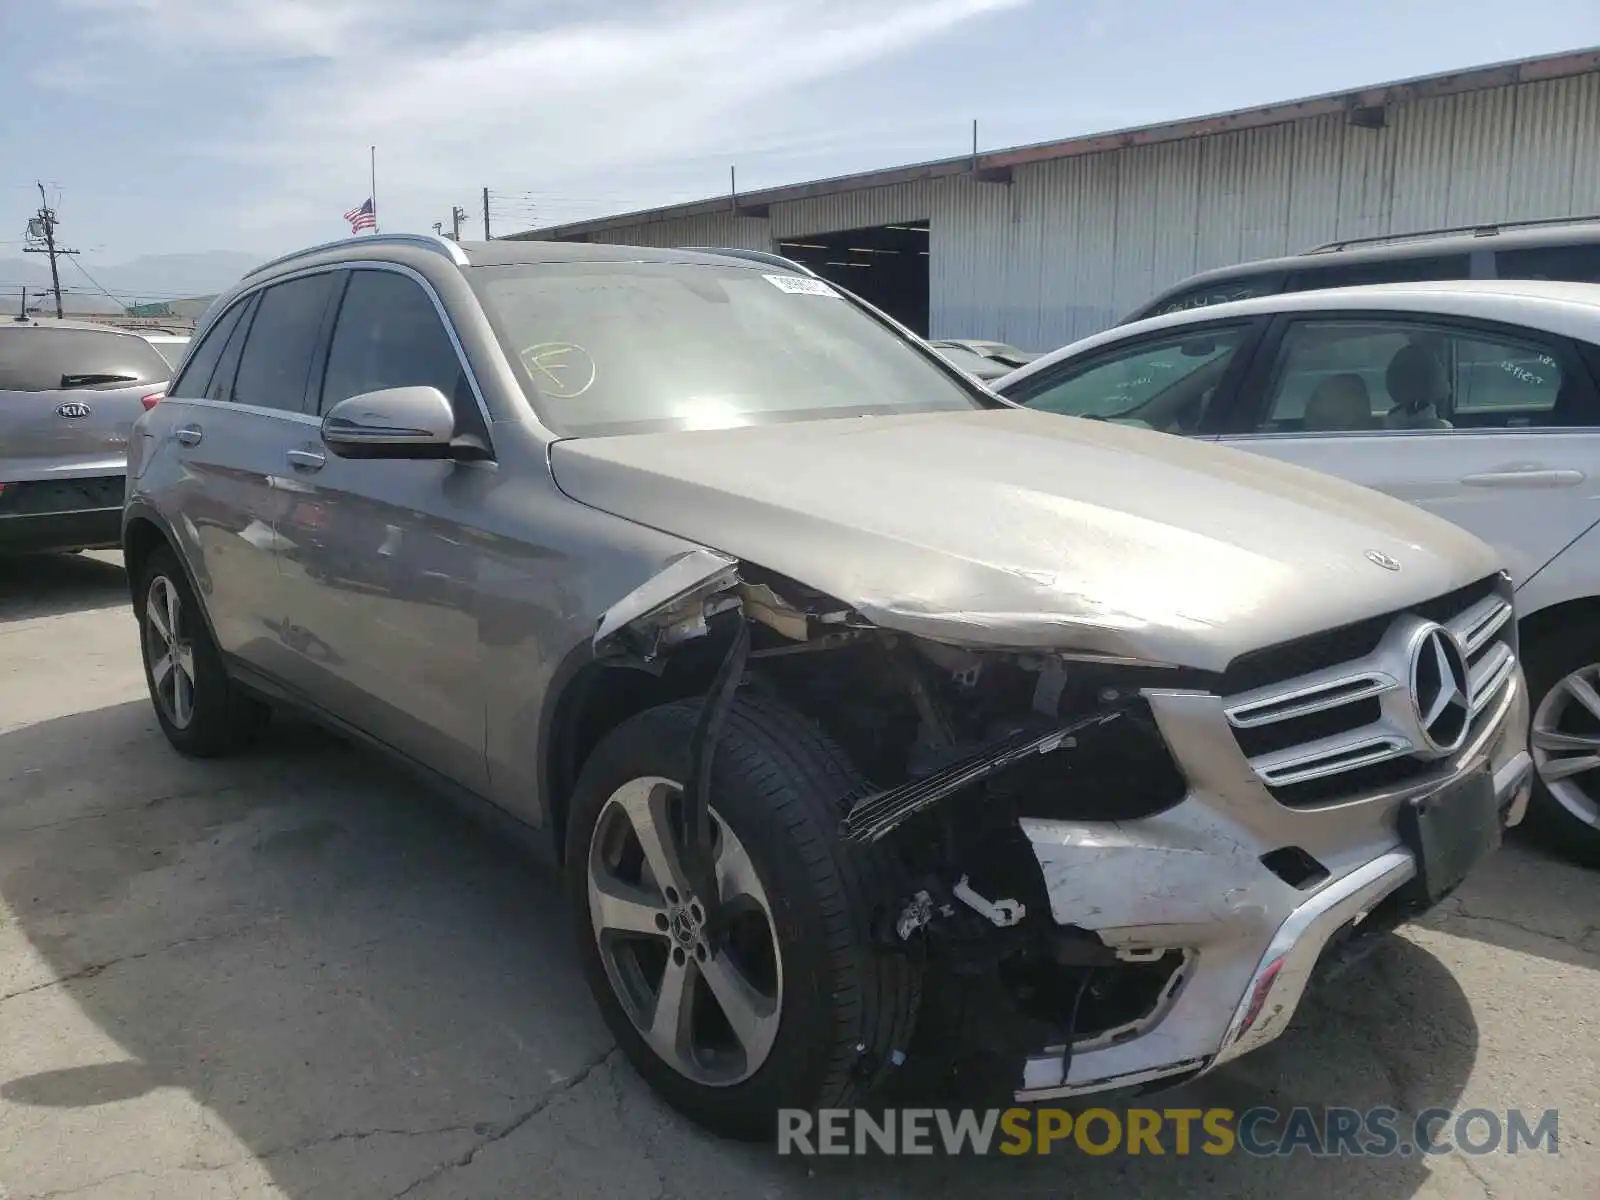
(959, 748)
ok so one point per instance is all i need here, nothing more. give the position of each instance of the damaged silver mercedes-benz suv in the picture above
(862, 709)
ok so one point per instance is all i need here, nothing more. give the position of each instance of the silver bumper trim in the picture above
(1285, 969)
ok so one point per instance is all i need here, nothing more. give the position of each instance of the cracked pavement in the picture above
(298, 974)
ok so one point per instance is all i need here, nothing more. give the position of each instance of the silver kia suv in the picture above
(837, 686)
(69, 395)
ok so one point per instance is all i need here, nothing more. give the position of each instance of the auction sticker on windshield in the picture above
(799, 285)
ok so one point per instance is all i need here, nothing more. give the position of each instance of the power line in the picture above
(96, 282)
(115, 293)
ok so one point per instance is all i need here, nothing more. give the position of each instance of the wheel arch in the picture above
(144, 532)
(1541, 624)
(142, 536)
(592, 698)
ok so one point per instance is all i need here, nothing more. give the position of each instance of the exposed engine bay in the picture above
(957, 746)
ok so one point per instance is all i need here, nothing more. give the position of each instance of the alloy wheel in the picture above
(708, 1007)
(1566, 743)
(169, 653)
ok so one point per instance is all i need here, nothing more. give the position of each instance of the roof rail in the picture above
(1488, 230)
(426, 241)
(760, 256)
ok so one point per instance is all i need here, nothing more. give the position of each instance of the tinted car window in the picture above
(276, 360)
(1347, 376)
(1392, 270)
(197, 374)
(221, 385)
(36, 358)
(1165, 384)
(1574, 264)
(388, 334)
(616, 347)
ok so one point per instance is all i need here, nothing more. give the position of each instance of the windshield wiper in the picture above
(91, 378)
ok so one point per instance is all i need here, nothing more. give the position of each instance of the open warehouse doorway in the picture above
(886, 265)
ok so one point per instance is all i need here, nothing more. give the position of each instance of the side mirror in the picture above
(402, 422)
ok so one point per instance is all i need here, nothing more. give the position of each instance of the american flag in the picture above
(365, 217)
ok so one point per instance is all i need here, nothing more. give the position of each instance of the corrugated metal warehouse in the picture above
(1039, 245)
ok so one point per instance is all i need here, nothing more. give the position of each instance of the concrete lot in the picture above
(298, 975)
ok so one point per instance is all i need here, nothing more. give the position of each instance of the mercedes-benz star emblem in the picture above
(1383, 560)
(73, 410)
(1440, 689)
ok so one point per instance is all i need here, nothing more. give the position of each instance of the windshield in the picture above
(609, 347)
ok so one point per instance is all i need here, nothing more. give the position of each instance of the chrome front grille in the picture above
(1361, 722)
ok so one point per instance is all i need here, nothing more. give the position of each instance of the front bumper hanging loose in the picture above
(1193, 879)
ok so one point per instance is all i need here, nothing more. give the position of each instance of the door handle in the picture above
(1525, 477)
(307, 460)
(189, 435)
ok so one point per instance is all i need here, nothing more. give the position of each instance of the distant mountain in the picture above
(149, 277)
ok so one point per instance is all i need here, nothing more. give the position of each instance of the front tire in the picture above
(203, 713)
(793, 1007)
(1563, 672)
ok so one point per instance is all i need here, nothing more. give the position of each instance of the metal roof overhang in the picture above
(997, 165)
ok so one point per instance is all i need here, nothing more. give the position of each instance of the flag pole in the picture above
(372, 152)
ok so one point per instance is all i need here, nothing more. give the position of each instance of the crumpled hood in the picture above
(1024, 529)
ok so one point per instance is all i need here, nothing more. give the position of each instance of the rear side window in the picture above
(192, 382)
(1392, 270)
(276, 361)
(1345, 376)
(36, 358)
(1573, 264)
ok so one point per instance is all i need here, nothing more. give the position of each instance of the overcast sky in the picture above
(171, 125)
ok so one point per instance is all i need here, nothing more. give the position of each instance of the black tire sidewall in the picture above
(794, 1074)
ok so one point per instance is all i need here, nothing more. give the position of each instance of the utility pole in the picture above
(457, 215)
(487, 236)
(43, 229)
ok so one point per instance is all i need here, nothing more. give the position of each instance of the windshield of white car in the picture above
(609, 348)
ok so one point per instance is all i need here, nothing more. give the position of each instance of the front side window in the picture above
(276, 360)
(388, 334)
(1350, 376)
(619, 347)
(1164, 384)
